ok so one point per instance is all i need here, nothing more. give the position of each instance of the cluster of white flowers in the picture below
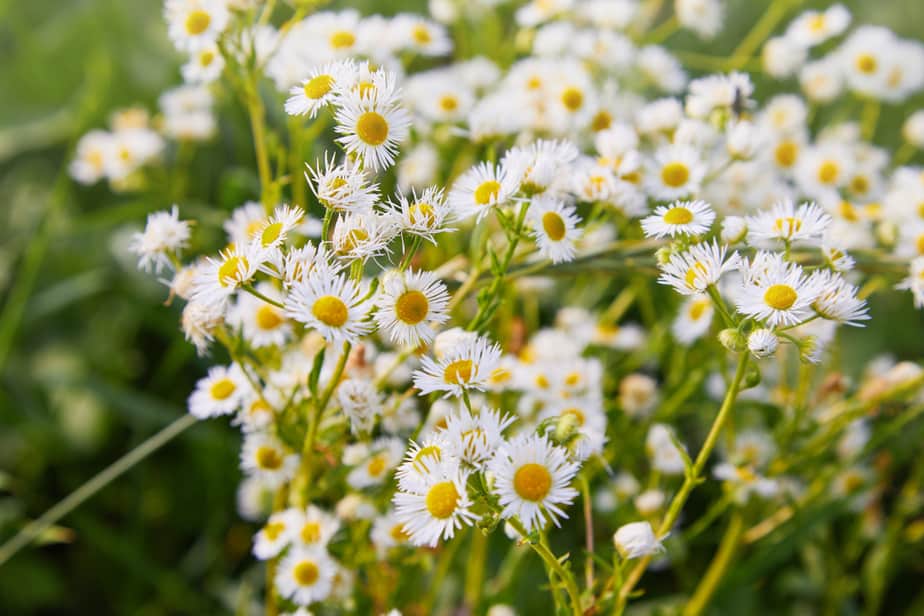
(343, 312)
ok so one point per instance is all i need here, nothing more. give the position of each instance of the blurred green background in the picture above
(91, 362)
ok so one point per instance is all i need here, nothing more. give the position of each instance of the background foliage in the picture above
(91, 362)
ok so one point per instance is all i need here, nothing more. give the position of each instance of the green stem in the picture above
(109, 474)
(774, 14)
(588, 531)
(691, 480)
(257, 114)
(717, 568)
(552, 563)
(474, 574)
(869, 119)
(904, 154)
(259, 295)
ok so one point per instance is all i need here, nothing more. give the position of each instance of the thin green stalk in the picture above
(588, 531)
(904, 154)
(663, 31)
(553, 564)
(474, 574)
(869, 119)
(774, 14)
(259, 295)
(257, 113)
(691, 480)
(109, 474)
(717, 568)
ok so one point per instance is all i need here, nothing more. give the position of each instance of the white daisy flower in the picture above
(342, 188)
(704, 17)
(762, 343)
(421, 458)
(914, 282)
(815, 27)
(694, 319)
(198, 323)
(437, 506)
(320, 88)
(665, 456)
(474, 437)
(262, 324)
(680, 217)
(373, 125)
(219, 393)
(275, 535)
(361, 403)
(357, 237)
(331, 303)
(554, 227)
(91, 160)
(466, 366)
(776, 291)
(334, 35)
(164, 236)
(532, 479)
(273, 232)
(746, 481)
(297, 263)
(244, 223)
(422, 215)
(387, 533)
(692, 271)
(837, 300)
(266, 457)
(479, 189)
(204, 66)
(541, 166)
(372, 462)
(305, 576)
(676, 172)
(418, 34)
(218, 279)
(410, 306)
(312, 527)
(785, 222)
(195, 24)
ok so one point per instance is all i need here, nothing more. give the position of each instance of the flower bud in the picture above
(762, 343)
(732, 339)
(635, 540)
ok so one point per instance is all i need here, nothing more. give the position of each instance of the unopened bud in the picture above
(732, 340)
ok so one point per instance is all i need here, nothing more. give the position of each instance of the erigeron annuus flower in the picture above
(204, 66)
(694, 319)
(541, 166)
(305, 576)
(410, 306)
(762, 343)
(663, 451)
(262, 324)
(837, 300)
(421, 35)
(372, 462)
(746, 481)
(704, 17)
(275, 535)
(676, 172)
(297, 263)
(421, 458)
(479, 189)
(91, 160)
(387, 533)
(164, 236)
(785, 222)
(342, 187)
(266, 457)
(554, 227)
(815, 27)
(532, 480)
(199, 322)
(473, 437)
(333, 304)
(436, 506)
(638, 394)
(422, 215)
(466, 366)
(582, 420)
(361, 403)
(218, 279)
(373, 124)
(357, 237)
(776, 291)
(319, 88)
(274, 231)
(693, 270)
(635, 540)
(219, 393)
(679, 218)
(724, 93)
(914, 282)
(312, 527)
(194, 24)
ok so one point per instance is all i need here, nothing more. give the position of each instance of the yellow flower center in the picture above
(572, 99)
(306, 573)
(601, 121)
(573, 379)
(412, 307)
(229, 272)
(273, 530)
(866, 63)
(268, 458)
(222, 389)
(576, 413)
(311, 532)
(206, 58)
(697, 270)
(786, 153)
(458, 372)
(376, 466)
(487, 192)
(698, 308)
(533, 83)
(817, 22)
(859, 184)
(675, 174)
(554, 226)
(442, 499)
(847, 211)
(330, 310)
(828, 172)
(421, 213)
(678, 216)
(398, 533)
(500, 375)
(787, 225)
(421, 35)
(542, 381)
(532, 482)
(448, 103)
(341, 39)
(372, 128)
(919, 244)
(267, 318)
(197, 22)
(780, 296)
(318, 86)
(270, 233)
